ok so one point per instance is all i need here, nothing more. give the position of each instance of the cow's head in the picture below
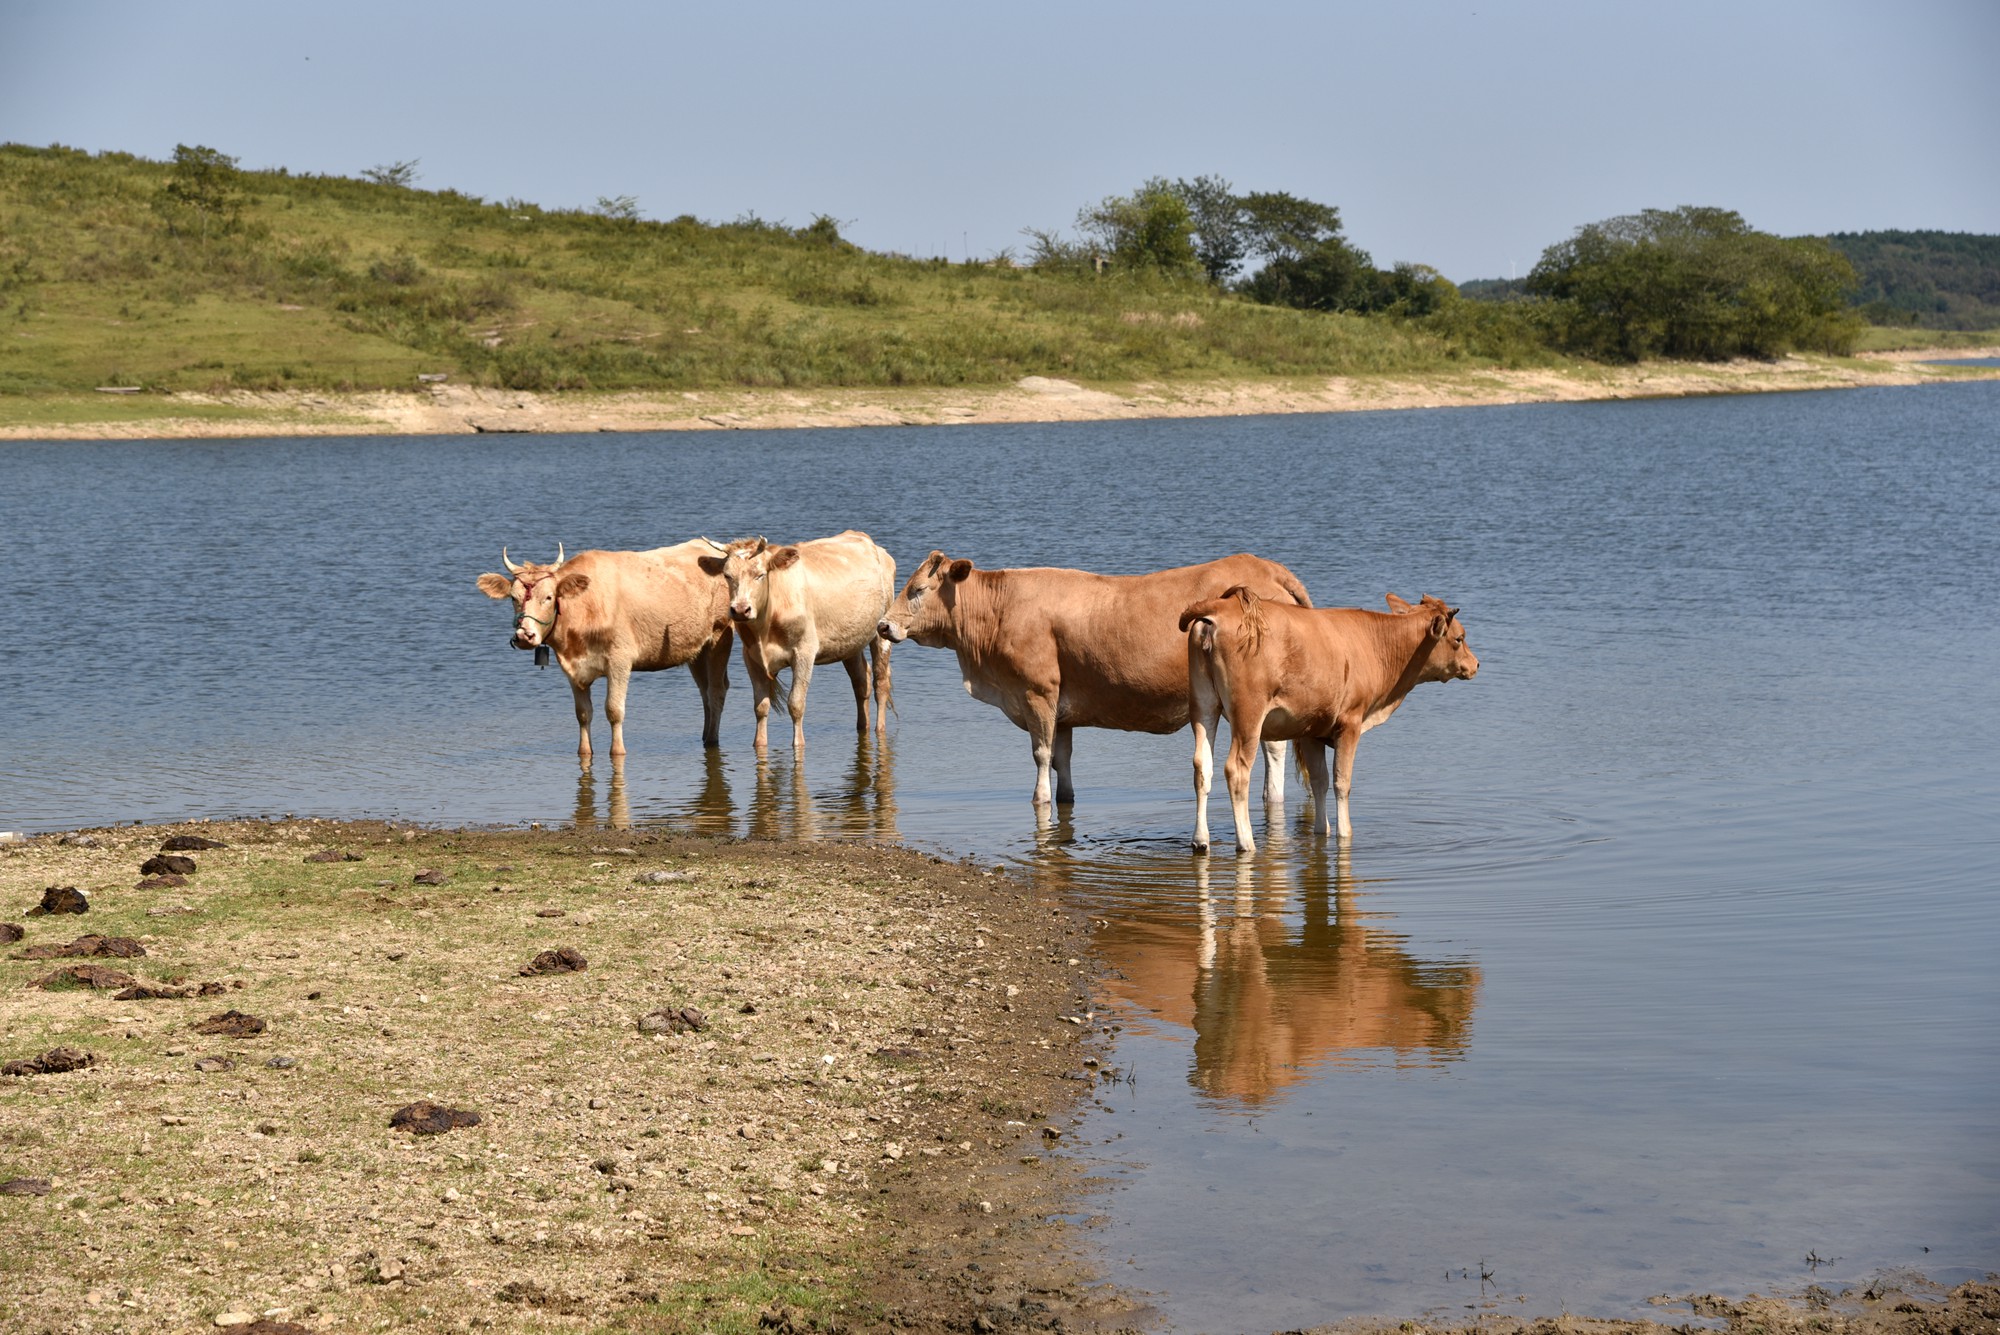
(1450, 657)
(922, 611)
(745, 566)
(537, 592)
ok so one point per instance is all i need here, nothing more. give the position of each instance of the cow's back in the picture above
(658, 607)
(847, 582)
(1113, 643)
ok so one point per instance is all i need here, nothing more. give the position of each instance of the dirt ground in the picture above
(859, 1135)
(675, 1084)
(458, 409)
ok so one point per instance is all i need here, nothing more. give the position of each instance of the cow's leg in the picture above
(795, 699)
(1204, 721)
(1242, 756)
(1274, 774)
(1346, 740)
(1059, 760)
(878, 654)
(615, 682)
(857, 674)
(710, 670)
(1312, 757)
(579, 694)
(763, 686)
(1041, 727)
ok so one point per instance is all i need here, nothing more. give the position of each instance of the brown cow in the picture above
(813, 602)
(1055, 649)
(610, 614)
(1308, 675)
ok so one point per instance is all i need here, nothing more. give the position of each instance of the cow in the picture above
(1055, 650)
(805, 604)
(610, 614)
(1307, 675)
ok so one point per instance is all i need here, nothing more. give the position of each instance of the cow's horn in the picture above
(713, 543)
(559, 553)
(512, 569)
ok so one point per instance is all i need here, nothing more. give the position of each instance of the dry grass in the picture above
(846, 1101)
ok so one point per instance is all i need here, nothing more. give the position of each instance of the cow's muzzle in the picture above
(891, 632)
(741, 612)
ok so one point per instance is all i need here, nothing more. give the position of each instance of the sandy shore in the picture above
(448, 409)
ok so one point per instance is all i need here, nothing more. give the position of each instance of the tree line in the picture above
(1691, 282)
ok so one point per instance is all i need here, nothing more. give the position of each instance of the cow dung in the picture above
(167, 864)
(10, 932)
(684, 1020)
(100, 977)
(84, 947)
(428, 877)
(170, 882)
(333, 855)
(567, 959)
(161, 992)
(190, 843)
(60, 899)
(214, 1064)
(424, 1118)
(25, 1186)
(230, 1024)
(53, 1062)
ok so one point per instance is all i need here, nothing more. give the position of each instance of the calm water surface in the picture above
(1662, 957)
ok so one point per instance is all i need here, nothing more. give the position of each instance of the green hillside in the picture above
(115, 270)
(1928, 280)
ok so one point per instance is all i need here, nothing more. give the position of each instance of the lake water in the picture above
(1663, 957)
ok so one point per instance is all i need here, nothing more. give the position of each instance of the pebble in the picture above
(234, 1319)
(282, 1063)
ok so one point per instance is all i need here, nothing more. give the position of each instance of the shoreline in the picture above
(448, 409)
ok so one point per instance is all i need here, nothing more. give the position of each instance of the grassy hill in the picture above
(319, 282)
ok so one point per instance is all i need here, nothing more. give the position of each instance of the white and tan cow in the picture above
(1055, 650)
(610, 614)
(804, 604)
(1310, 676)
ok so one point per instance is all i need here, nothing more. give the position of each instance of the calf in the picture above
(797, 606)
(610, 614)
(1056, 650)
(1308, 675)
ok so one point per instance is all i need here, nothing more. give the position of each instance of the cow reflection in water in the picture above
(862, 806)
(1269, 1001)
(709, 811)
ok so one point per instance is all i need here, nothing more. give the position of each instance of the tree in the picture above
(1281, 226)
(619, 208)
(402, 175)
(1329, 276)
(1694, 282)
(1217, 213)
(200, 189)
(1150, 230)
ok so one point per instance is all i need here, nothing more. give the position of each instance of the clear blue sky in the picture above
(1468, 135)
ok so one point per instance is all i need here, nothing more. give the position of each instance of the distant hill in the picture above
(1931, 280)
(1923, 280)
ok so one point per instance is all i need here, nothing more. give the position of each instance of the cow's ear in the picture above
(710, 565)
(782, 557)
(959, 570)
(1398, 605)
(1437, 626)
(495, 586)
(571, 585)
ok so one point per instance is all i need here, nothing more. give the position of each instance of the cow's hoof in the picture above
(1201, 845)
